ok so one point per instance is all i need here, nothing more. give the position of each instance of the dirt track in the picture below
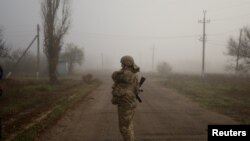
(164, 115)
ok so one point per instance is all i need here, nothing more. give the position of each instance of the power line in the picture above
(216, 41)
(232, 18)
(135, 37)
(230, 7)
(218, 44)
(222, 33)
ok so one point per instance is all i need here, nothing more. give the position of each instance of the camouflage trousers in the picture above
(125, 116)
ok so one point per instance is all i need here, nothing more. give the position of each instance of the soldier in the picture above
(1, 72)
(1, 90)
(124, 89)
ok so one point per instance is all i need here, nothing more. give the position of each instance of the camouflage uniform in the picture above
(124, 89)
(1, 90)
(1, 72)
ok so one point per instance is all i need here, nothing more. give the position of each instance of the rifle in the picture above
(143, 79)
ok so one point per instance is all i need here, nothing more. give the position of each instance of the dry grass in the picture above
(229, 95)
(23, 101)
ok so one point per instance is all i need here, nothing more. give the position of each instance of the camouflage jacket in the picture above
(124, 88)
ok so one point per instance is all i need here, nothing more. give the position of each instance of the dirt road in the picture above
(164, 115)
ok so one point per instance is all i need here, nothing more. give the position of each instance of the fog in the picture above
(109, 29)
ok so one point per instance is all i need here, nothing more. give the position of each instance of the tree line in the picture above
(56, 23)
(72, 54)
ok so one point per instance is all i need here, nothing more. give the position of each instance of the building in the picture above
(63, 67)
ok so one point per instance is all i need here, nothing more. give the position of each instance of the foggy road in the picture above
(164, 115)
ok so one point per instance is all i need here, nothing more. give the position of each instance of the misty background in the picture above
(109, 29)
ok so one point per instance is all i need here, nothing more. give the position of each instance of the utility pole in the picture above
(26, 50)
(204, 21)
(238, 54)
(153, 57)
(38, 52)
(102, 61)
(20, 58)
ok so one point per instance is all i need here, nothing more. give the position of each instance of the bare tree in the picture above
(246, 45)
(3, 47)
(240, 51)
(55, 27)
(164, 68)
(73, 55)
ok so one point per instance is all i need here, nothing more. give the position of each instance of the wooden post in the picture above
(38, 52)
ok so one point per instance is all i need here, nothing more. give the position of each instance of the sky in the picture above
(109, 29)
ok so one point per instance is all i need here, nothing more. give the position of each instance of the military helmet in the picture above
(127, 60)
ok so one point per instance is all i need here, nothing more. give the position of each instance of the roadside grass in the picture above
(23, 102)
(229, 95)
